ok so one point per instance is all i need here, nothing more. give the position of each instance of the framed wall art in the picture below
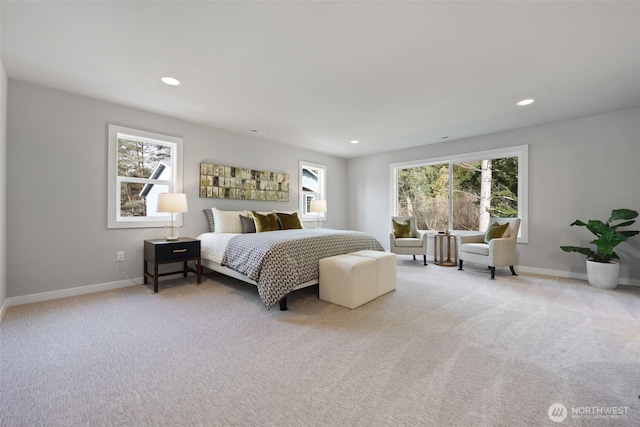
(229, 182)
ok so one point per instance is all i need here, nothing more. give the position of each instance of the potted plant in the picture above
(602, 268)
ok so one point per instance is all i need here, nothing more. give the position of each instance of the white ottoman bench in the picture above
(387, 265)
(348, 280)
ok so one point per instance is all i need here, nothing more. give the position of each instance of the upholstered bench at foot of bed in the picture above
(348, 280)
(386, 265)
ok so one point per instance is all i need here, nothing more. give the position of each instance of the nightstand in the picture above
(161, 251)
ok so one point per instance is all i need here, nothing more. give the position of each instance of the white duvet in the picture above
(213, 245)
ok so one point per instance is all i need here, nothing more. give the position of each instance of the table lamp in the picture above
(173, 203)
(318, 206)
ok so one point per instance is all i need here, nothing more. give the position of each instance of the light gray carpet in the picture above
(447, 348)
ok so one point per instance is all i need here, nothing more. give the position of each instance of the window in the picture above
(312, 187)
(462, 192)
(141, 165)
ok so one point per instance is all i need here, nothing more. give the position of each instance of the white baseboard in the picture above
(70, 292)
(3, 309)
(570, 275)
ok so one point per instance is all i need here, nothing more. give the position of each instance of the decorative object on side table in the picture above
(173, 203)
(603, 269)
(319, 207)
(161, 251)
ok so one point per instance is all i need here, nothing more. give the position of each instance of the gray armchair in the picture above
(499, 252)
(414, 245)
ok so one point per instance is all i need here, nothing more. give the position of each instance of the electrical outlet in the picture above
(120, 256)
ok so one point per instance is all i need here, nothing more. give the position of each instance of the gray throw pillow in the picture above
(209, 214)
(248, 225)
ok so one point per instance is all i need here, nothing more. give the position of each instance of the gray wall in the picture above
(56, 197)
(580, 168)
(57, 203)
(3, 187)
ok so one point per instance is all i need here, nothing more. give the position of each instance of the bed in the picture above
(279, 262)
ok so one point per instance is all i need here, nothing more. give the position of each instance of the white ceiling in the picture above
(318, 74)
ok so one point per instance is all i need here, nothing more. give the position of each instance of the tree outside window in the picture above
(141, 166)
(462, 193)
(137, 159)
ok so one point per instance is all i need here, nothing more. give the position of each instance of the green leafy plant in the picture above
(608, 235)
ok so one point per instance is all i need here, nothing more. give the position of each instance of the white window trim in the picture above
(520, 151)
(114, 219)
(323, 192)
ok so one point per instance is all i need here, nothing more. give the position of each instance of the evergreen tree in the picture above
(423, 192)
(137, 159)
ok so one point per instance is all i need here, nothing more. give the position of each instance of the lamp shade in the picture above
(318, 206)
(172, 202)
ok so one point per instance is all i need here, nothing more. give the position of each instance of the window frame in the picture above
(114, 217)
(520, 151)
(305, 196)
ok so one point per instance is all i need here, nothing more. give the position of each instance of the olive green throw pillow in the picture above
(266, 222)
(495, 231)
(289, 221)
(401, 229)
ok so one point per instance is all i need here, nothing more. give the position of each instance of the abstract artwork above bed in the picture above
(229, 182)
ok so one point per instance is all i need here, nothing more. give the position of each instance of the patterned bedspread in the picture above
(278, 261)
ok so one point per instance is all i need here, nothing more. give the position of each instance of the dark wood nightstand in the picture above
(161, 251)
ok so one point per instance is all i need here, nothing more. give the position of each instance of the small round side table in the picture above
(452, 250)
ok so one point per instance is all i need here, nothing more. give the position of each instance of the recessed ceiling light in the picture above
(524, 102)
(171, 81)
(354, 141)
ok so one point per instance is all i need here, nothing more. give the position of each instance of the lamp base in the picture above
(172, 234)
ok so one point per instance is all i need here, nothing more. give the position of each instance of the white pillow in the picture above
(227, 221)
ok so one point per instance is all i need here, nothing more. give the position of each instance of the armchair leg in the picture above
(414, 257)
(513, 272)
(460, 268)
(425, 259)
(493, 272)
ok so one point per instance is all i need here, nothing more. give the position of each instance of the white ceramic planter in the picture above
(603, 275)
